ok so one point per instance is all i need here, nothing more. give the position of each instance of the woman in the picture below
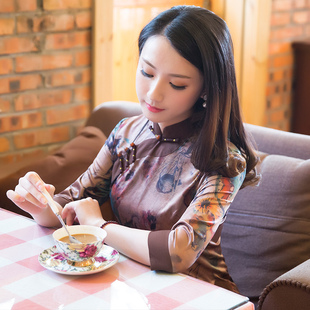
(172, 172)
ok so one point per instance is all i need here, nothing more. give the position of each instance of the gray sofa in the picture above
(267, 231)
(266, 237)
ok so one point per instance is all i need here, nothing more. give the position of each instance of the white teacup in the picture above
(80, 255)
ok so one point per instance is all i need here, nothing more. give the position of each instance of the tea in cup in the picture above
(80, 254)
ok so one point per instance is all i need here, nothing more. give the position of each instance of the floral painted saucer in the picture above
(52, 260)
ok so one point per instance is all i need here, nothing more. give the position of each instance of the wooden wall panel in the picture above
(234, 17)
(102, 40)
(249, 24)
(255, 60)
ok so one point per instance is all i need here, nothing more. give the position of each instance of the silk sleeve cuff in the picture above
(159, 250)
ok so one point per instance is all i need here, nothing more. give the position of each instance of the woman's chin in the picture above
(151, 117)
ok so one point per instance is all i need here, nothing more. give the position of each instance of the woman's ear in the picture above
(203, 95)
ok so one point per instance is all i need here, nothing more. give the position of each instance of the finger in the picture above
(68, 213)
(70, 219)
(22, 203)
(35, 179)
(14, 197)
(30, 192)
(50, 188)
(39, 184)
(29, 196)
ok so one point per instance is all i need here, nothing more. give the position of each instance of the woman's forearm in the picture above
(129, 241)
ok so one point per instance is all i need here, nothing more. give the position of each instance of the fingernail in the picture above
(43, 200)
(21, 199)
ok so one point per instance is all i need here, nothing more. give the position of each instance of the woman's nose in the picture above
(156, 91)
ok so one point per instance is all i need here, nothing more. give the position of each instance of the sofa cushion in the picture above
(267, 231)
(60, 168)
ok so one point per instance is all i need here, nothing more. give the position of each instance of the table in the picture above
(25, 284)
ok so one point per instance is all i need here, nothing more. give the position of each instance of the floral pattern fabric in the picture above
(152, 184)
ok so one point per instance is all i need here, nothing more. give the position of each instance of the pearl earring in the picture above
(204, 104)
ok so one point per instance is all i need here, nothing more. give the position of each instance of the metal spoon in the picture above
(54, 208)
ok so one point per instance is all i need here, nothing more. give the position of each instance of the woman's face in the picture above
(167, 84)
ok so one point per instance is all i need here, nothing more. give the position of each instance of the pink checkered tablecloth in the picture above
(25, 284)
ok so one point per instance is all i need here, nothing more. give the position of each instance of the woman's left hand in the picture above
(86, 211)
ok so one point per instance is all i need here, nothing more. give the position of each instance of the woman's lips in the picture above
(153, 109)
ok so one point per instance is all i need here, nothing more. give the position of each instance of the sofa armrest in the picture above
(60, 168)
(289, 291)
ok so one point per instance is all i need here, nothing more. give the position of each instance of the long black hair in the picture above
(203, 38)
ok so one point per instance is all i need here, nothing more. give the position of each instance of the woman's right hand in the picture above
(27, 194)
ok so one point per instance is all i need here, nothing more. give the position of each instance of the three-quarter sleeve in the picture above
(183, 244)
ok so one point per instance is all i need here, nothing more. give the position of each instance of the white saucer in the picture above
(52, 260)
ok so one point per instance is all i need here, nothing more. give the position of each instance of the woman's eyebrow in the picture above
(171, 74)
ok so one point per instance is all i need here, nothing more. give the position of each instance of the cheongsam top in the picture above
(152, 184)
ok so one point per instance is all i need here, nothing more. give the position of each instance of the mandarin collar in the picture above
(180, 131)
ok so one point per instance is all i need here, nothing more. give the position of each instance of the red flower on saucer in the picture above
(100, 259)
(58, 256)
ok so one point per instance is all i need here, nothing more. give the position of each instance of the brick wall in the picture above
(45, 70)
(290, 22)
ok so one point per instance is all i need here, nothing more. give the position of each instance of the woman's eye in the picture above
(177, 87)
(146, 74)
